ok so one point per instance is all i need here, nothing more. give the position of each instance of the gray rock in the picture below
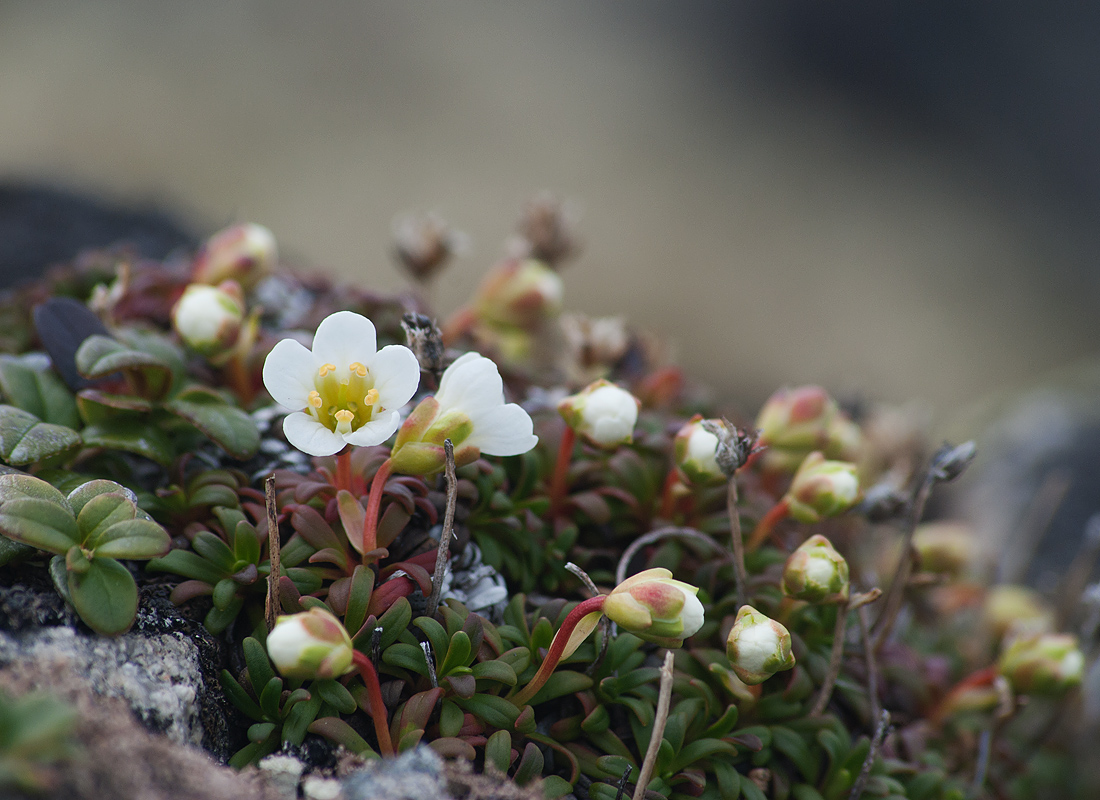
(158, 676)
(415, 775)
(283, 773)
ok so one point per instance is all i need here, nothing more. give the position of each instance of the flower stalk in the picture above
(766, 526)
(374, 506)
(557, 648)
(558, 482)
(377, 706)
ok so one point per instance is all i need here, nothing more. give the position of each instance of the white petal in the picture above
(310, 436)
(376, 431)
(473, 386)
(396, 374)
(288, 374)
(343, 338)
(505, 432)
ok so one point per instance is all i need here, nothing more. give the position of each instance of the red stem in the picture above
(767, 524)
(377, 707)
(557, 647)
(982, 677)
(561, 470)
(374, 504)
(458, 325)
(343, 469)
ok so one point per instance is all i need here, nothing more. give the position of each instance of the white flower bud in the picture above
(603, 413)
(822, 488)
(312, 644)
(696, 451)
(208, 318)
(816, 573)
(758, 646)
(656, 607)
(1043, 663)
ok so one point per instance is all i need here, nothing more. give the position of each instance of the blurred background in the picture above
(884, 198)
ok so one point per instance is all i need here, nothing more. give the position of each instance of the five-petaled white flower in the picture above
(345, 391)
(468, 409)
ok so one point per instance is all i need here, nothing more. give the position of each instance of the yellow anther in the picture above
(358, 369)
(315, 399)
(343, 415)
(326, 369)
(371, 398)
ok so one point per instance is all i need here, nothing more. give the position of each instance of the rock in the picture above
(415, 775)
(315, 788)
(283, 774)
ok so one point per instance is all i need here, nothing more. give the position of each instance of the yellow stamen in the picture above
(326, 369)
(358, 369)
(315, 399)
(371, 398)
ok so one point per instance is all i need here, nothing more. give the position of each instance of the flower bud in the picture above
(418, 449)
(758, 646)
(795, 422)
(1043, 663)
(946, 548)
(816, 573)
(695, 449)
(845, 439)
(822, 488)
(244, 253)
(312, 644)
(603, 413)
(209, 318)
(655, 607)
(519, 293)
(424, 243)
(1016, 609)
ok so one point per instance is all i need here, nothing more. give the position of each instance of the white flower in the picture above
(468, 409)
(758, 646)
(348, 392)
(604, 413)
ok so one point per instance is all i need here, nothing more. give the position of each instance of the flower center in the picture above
(343, 400)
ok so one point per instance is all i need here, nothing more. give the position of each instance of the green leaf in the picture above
(495, 670)
(406, 656)
(498, 751)
(218, 619)
(100, 513)
(555, 786)
(260, 671)
(530, 765)
(362, 583)
(105, 596)
(226, 425)
(271, 697)
(394, 621)
(134, 539)
(436, 634)
(336, 730)
(224, 592)
(85, 492)
(11, 550)
(37, 390)
(458, 653)
(95, 405)
(214, 550)
(298, 720)
(99, 356)
(700, 749)
(239, 697)
(39, 523)
(450, 719)
(188, 565)
(138, 436)
(496, 711)
(335, 694)
(16, 485)
(25, 439)
(560, 684)
(246, 544)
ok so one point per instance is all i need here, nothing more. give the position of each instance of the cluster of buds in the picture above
(548, 229)
(655, 607)
(795, 422)
(603, 413)
(519, 293)
(816, 573)
(593, 346)
(695, 449)
(758, 646)
(313, 644)
(822, 488)
(1043, 663)
(209, 318)
(944, 548)
(243, 253)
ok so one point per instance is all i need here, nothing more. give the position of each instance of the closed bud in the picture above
(424, 243)
(603, 413)
(845, 439)
(758, 646)
(946, 548)
(244, 253)
(795, 422)
(822, 489)
(209, 318)
(1012, 609)
(312, 644)
(655, 607)
(519, 293)
(1043, 663)
(816, 573)
(695, 449)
